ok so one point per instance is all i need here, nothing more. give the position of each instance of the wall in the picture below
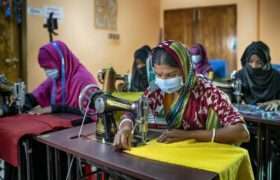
(270, 26)
(246, 17)
(138, 24)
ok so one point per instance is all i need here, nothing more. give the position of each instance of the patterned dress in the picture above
(204, 96)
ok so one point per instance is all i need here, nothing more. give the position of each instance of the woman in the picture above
(59, 93)
(193, 107)
(140, 77)
(66, 77)
(200, 61)
(260, 82)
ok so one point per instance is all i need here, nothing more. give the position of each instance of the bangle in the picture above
(125, 120)
(213, 135)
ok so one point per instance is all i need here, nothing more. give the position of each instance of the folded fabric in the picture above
(13, 128)
(230, 162)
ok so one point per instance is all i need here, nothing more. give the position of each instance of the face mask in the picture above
(196, 59)
(170, 85)
(255, 71)
(52, 73)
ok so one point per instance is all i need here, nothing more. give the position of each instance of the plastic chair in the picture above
(220, 67)
(276, 67)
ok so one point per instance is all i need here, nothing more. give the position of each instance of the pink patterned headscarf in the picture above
(76, 76)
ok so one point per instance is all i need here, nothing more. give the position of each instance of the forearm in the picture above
(65, 109)
(228, 135)
(30, 102)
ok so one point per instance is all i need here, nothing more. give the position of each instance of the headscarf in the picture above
(76, 76)
(139, 77)
(203, 67)
(261, 84)
(178, 52)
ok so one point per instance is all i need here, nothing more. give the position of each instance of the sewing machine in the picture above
(232, 88)
(108, 77)
(19, 95)
(5, 85)
(11, 93)
(106, 106)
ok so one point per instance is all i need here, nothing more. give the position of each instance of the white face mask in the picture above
(170, 85)
(51, 73)
(196, 59)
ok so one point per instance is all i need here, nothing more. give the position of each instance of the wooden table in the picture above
(105, 157)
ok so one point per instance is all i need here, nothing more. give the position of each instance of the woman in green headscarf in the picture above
(193, 107)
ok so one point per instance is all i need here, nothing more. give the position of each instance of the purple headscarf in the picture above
(76, 76)
(203, 67)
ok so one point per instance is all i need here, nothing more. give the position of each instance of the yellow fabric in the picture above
(130, 96)
(230, 162)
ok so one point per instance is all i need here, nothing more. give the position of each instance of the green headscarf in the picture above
(178, 52)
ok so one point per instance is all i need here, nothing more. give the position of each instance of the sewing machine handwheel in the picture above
(85, 98)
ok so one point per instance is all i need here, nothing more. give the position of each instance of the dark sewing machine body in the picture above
(12, 95)
(107, 107)
(109, 78)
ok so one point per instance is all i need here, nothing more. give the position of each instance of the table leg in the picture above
(260, 152)
(49, 163)
(57, 164)
(69, 159)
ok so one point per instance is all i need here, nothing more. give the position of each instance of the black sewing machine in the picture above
(232, 88)
(12, 95)
(109, 78)
(107, 106)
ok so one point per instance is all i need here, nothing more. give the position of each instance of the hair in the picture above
(160, 57)
(142, 53)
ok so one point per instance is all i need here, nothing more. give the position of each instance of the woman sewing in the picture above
(66, 77)
(260, 82)
(193, 107)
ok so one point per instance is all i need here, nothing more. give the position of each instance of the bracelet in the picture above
(125, 120)
(213, 135)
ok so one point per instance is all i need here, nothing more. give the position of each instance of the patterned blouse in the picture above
(204, 96)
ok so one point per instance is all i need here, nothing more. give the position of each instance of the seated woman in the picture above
(66, 77)
(260, 82)
(139, 80)
(140, 76)
(200, 61)
(193, 107)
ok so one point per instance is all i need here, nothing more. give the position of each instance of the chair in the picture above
(276, 67)
(220, 67)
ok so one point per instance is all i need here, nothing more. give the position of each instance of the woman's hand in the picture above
(270, 105)
(122, 140)
(39, 110)
(173, 135)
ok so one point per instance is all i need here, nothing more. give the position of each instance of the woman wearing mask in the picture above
(140, 77)
(193, 107)
(260, 82)
(66, 77)
(200, 61)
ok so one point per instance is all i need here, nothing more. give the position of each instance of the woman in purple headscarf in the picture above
(200, 61)
(66, 77)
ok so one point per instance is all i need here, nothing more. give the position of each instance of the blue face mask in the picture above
(196, 59)
(170, 85)
(52, 73)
